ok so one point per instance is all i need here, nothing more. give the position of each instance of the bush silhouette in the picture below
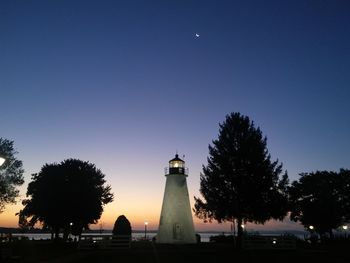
(122, 226)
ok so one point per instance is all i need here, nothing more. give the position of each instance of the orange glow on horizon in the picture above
(140, 207)
(8, 218)
(139, 215)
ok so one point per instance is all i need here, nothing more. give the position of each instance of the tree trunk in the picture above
(233, 231)
(65, 233)
(330, 233)
(57, 233)
(233, 227)
(239, 233)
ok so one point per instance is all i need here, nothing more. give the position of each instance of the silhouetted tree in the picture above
(67, 196)
(122, 226)
(240, 183)
(345, 192)
(23, 224)
(11, 174)
(321, 199)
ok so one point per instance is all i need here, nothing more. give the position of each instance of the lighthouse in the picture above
(176, 223)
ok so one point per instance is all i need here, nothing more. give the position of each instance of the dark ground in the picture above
(37, 251)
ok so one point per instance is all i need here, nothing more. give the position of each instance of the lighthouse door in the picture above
(177, 231)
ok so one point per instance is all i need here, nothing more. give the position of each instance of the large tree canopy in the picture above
(11, 174)
(67, 196)
(240, 181)
(321, 199)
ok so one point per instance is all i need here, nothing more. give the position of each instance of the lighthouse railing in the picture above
(178, 170)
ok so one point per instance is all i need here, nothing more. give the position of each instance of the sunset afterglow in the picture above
(126, 85)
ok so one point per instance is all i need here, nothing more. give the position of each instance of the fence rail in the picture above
(176, 170)
(269, 242)
(89, 242)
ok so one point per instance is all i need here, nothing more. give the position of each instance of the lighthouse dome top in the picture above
(176, 162)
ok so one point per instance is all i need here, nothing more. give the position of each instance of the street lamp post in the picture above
(313, 234)
(146, 223)
(70, 229)
(345, 227)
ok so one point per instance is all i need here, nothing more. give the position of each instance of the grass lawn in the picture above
(37, 251)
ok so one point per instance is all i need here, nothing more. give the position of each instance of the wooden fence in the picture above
(88, 242)
(269, 242)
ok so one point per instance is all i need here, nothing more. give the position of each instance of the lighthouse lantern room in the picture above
(176, 166)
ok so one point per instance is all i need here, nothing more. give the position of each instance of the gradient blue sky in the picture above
(124, 84)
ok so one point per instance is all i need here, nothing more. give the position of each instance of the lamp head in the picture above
(2, 160)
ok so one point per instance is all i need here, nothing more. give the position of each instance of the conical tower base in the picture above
(176, 223)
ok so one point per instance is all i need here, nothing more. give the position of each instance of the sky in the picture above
(127, 84)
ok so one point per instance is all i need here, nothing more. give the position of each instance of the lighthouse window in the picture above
(176, 164)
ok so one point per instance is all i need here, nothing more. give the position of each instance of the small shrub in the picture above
(222, 239)
(122, 226)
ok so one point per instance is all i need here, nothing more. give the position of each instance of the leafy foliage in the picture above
(322, 200)
(11, 174)
(240, 181)
(70, 192)
(122, 226)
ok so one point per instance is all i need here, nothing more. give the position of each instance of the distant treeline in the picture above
(12, 230)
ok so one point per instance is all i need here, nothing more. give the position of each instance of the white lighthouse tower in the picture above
(176, 224)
